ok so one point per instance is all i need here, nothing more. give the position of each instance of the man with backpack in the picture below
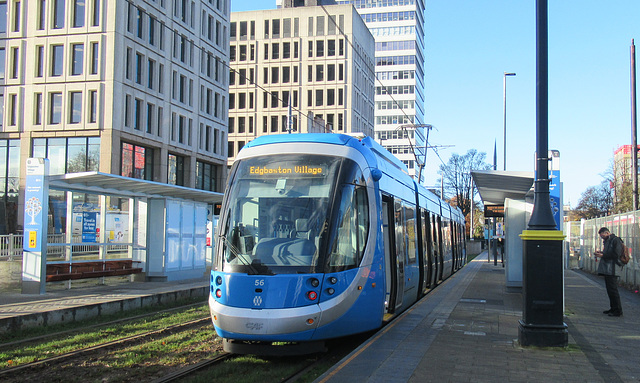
(612, 249)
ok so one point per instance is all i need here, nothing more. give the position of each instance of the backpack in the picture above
(624, 258)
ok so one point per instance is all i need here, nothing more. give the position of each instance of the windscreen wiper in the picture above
(237, 253)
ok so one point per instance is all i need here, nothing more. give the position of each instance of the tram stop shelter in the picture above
(508, 194)
(165, 230)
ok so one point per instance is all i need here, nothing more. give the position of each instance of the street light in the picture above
(504, 113)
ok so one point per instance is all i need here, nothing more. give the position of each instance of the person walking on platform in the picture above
(611, 252)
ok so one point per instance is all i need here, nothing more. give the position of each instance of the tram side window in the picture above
(352, 222)
(446, 236)
(410, 229)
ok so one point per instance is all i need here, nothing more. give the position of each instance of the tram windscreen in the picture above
(278, 213)
(277, 208)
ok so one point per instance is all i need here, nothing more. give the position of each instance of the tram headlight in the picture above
(333, 280)
(314, 282)
(312, 295)
(331, 291)
(218, 293)
(218, 280)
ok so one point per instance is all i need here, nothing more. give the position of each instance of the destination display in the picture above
(493, 211)
(291, 170)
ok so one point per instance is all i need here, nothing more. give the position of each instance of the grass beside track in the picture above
(70, 337)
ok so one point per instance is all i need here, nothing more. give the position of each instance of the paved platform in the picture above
(466, 330)
(61, 305)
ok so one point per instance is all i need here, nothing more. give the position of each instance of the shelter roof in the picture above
(495, 186)
(110, 184)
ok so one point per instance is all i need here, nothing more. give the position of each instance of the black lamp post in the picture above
(542, 321)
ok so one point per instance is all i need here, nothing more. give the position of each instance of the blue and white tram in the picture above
(322, 236)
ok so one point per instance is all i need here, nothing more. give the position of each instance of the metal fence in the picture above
(11, 248)
(582, 241)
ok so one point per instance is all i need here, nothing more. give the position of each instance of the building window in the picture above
(205, 176)
(69, 155)
(139, 23)
(137, 114)
(127, 109)
(150, 114)
(151, 71)
(78, 54)
(57, 53)
(152, 30)
(136, 161)
(241, 125)
(37, 109)
(320, 48)
(75, 107)
(95, 18)
(13, 109)
(331, 47)
(175, 171)
(2, 60)
(94, 58)
(55, 108)
(42, 14)
(16, 16)
(58, 14)
(331, 72)
(139, 59)
(9, 181)
(15, 62)
(320, 26)
(78, 13)
(39, 61)
(93, 106)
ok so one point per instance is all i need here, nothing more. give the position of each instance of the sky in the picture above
(470, 44)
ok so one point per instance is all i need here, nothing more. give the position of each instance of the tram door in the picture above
(394, 259)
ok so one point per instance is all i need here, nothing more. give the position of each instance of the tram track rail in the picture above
(106, 346)
(98, 325)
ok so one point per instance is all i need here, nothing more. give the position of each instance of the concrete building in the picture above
(298, 69)
(137, 88)
(398, 29)
(622, 169)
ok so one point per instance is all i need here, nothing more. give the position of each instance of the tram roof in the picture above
(495, 186)
(111, 184)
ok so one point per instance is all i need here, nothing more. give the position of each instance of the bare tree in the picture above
(595, 201)
(458, 183)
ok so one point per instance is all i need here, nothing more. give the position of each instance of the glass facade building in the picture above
(398, 29)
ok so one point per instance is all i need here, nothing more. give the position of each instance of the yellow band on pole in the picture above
(542, 235)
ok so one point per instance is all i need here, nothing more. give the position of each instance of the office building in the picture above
(398, 29)
(299, 69)
(137, 88)
(622, 171)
